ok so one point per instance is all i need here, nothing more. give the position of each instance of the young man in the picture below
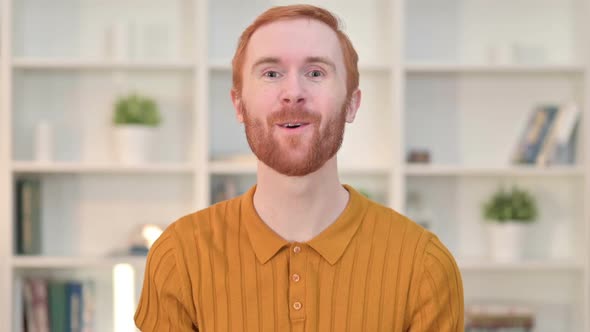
(299, 251)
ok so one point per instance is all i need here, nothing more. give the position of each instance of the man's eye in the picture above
(316, 73)
(271, 74)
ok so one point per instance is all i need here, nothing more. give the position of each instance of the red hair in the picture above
(291, 12)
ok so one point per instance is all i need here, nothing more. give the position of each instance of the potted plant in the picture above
(507, 214)
(135, 119)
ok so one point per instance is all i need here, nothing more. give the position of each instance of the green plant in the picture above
(515, 205)
(137, 110)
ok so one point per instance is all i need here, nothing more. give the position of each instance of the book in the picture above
(88, 306)
(73, 306)
(57, 305)
(36, 305)
(564, 150)
(28, 216)
(557, 148)
(535, 133)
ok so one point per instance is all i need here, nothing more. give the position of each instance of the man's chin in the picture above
(293, 170)
(291, 165)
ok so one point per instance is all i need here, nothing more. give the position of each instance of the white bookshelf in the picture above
(427, 81)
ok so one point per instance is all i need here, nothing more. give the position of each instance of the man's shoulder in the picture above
(425, 242)
(193, 229)
(205, 218)
(404, 232)
(401, 231)
(396, 220)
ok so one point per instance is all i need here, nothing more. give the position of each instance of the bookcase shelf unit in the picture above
(445, 77)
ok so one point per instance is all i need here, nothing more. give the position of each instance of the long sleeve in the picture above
(438, 296)
(164, 304)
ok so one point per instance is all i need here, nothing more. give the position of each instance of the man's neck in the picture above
(299, 208)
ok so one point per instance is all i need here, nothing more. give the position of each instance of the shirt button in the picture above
(296, 249)
(295, 277)
(297, 305)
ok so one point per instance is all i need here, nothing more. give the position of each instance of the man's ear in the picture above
(353, 105)
(238, 106)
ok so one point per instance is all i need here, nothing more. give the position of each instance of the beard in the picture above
(295, 154)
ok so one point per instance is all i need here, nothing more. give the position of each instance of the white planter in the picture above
(505, 241)
(133, 143)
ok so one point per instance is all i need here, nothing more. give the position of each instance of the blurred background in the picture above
(115, 120)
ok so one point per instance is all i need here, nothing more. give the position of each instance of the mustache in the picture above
(293, 114)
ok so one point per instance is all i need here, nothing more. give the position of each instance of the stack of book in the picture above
(58, 305)
(498, 318)
(549, 136)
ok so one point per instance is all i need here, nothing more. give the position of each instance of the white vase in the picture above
(505, 241)
(133, 143)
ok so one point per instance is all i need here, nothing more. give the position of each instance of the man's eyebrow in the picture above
(265, 60)
(311, 59)
(321, 59)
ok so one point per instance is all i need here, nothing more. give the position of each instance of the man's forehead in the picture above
(302, 38)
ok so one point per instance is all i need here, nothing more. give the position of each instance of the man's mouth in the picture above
(293, 125)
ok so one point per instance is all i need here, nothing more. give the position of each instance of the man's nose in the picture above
(293, 91)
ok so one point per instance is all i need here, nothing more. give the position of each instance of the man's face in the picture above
(293, 101)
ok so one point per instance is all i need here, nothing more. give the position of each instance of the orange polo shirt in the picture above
(223, 269)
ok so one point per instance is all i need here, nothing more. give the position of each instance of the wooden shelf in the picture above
(523, 266)
(450, 170)
(433, 68)
(224, 65)
(98, 64)
(76, 167)
(232, 167)
(246, 168)
(63, 262)
(220, 65)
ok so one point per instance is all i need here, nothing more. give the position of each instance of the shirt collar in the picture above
(330, 243)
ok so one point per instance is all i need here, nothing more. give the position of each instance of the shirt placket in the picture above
(297, 305)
